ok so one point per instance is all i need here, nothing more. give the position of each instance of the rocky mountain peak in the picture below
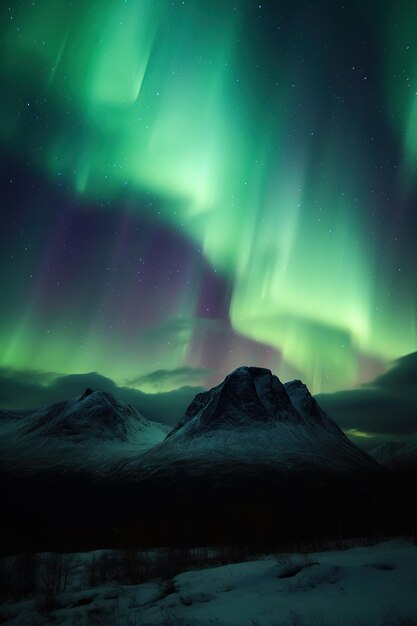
(303, 401)
(247, 396)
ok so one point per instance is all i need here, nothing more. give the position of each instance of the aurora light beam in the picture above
(203, 183)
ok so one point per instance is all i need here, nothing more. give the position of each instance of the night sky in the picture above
(192, 185)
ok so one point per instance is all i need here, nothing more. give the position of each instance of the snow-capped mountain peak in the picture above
(96, 414)
(90, 430)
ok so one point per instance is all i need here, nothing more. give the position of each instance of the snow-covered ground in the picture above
(373, 585)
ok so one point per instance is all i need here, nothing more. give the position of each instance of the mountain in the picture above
(252, 418)
(252, 461)
(94, 415)
(253, 457)
(93, 429)
(396, 455)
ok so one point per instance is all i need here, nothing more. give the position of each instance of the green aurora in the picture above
(282, 152)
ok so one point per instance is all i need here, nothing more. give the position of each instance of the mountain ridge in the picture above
(90, 431)
(251, 458)
(252, 418)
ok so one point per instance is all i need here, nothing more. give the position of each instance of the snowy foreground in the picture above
(373, 585)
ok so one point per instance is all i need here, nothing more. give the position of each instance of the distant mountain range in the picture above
(251, 460)
(396, 455)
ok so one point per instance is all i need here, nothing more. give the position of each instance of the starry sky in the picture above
(192, 185)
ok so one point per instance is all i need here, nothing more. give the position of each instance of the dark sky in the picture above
(189, 186)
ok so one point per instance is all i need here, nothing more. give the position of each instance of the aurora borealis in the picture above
(188, 186)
